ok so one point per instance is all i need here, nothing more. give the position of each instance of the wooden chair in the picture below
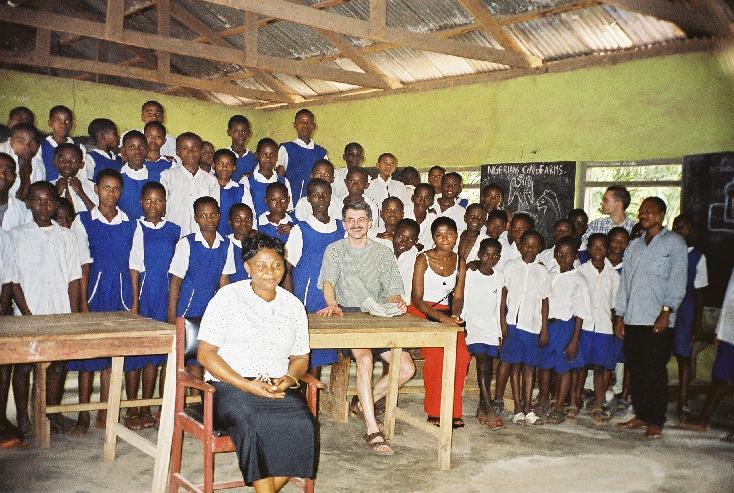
(213, 442)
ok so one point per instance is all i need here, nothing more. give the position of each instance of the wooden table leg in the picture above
(338, 385)
(447, 401)
(40, 420)
(393, 380)
(165, 428)
(113, 409)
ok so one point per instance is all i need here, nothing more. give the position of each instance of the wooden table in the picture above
(360, 330)
(44, 338)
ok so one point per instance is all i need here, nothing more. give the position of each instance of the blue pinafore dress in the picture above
(306, 276)
(158, 167)
(271, 230)
(227, 198)
(257, 192)
(686, 313)
(300, 162)
(244, 165)
(104, 162)
(202, 277)
(132, 189)
(109, 288)
(240, 272)
(159, 246)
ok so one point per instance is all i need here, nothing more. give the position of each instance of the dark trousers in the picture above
(646, 355)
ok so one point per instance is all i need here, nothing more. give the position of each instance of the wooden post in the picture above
(163, 13)
(393, 380)
(40, 421)
(338, 385)
(250, 40)
(447, 402)
(113, 409)
(165, 428)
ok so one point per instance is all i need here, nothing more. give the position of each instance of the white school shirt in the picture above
(283, 153)
(260, 178)
(89, 163)
(407, 197)
(255, 337)
(482, 304)
(569, 295)
(74, 198)
(304, 209)
(474, 252)
(246, 197)
(69, 140)
(46, 260)
(339, 187)
(548, 258)
(294, 245)
(182, 190)
(455, 212)
(424, 237)
(262, 220)
(16, 214)
(701, 280)
(603, 288)
(137, 251)
(7, 260)
(725, 326)
(380, 189)
(38, 169)
(77, 227)
(168, 148)
(406, 265)
(180, 261)
(509, 252)
(527, 286)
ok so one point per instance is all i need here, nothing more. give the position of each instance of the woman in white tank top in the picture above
(438, 294)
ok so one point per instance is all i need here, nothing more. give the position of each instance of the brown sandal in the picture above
(372, 445)
(133, 422)
(147, 420)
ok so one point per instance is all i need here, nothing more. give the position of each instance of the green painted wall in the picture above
(89, 100)
(653, 108)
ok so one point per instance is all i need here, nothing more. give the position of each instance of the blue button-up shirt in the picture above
(654, 275)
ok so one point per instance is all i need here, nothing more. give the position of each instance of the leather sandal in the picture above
(133, 422)
(372, 445)
(355, 409)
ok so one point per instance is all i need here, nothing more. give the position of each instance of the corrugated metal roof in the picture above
(598, 29)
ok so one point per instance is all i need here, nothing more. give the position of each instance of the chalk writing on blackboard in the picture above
(721, 214)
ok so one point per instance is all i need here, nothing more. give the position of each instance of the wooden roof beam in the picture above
(695, 17)
(351, 26)
(163, 15)
(187, 48)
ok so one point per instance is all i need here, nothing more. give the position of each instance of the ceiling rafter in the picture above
(493, 28)
(695, 17)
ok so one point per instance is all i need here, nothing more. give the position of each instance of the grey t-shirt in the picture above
(360, 273)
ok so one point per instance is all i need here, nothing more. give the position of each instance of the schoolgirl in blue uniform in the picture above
(241, 221)
(230, 192)
(107, 233)
(135, 174)
(103, 134)
(155, 135)
(239, 130)
(263, 175)
(298, 156)
(306, 246)
(61, 120)
(276, 222)
(153, 245)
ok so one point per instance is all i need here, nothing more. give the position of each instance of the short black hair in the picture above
(133, 134)
(532, 232)
(598, 236)
(50, 188)
(622, 194)
(19, 110)
(60, 108)
(317, 182)
(434, 168)
(409, 223)
(235, 119)
(256, 242)
(492, 186)
(577, 212)
(570, 241)
(618, 230)
(524, 216)
(153, 185)
(64, 203)
(660, 203)
(322, 162)
(443, 221)
(562, 221)
(475, 205)
(225, 152)
(392, 198)
(205, 200)
(187, 136)
(490, 243)
(68, 146)
(8, 159)
(153, 102)
(110, 173)
(276, 185)
(452, 174)
(386, 155)
(497, 214)
(100, 125)
(26, 127)
(304, 111)
(235, 207)
(685, 218)
(357, 169)
(409, 171)
(353, 145)
(424, 186)
(266, 141)
(155, 124)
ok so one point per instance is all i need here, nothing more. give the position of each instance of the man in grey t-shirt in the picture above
(354, 269)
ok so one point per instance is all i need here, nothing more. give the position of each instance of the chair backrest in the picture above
(187, 332)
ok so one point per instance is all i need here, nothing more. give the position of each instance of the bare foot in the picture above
(61, 424)
(101, 422)
(24, 424)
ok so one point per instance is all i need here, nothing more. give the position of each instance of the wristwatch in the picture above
(666, 308)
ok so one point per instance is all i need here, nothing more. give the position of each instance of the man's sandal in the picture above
(373, 445)
(355, 408)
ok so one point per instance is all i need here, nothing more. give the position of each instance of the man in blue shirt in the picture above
(652, 287)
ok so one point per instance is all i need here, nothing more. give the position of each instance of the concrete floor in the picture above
(547, 459)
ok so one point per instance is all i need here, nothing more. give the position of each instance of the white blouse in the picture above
(255, 337)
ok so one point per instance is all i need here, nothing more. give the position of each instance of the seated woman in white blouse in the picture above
(254, 347)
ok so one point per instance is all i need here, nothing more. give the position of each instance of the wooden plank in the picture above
(137, 441)
(96, 406)
(165, 429)
(447, 401)
(115, 17)
(187, 48)
(416, 422)
(250, 40)
(41, 423)
(378, 18)
(391, 399)
(163, 14)
(113, 410)
(145, 74)
(351, 26)
(695, 17)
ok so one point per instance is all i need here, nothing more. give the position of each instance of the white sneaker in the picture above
(519, 418)
(533, 419)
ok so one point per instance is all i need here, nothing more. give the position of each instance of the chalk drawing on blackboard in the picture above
(721, 214)
(544, 209)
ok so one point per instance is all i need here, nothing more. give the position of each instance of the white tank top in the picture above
(435, 287)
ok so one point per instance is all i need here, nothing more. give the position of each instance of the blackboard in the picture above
(708, 195)
(544, 190)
